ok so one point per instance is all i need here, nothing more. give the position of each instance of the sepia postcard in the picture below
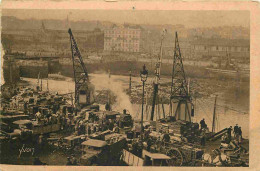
(173, 85)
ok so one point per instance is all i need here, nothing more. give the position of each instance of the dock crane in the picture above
(157, 75)
(181, 105)
(84, 91)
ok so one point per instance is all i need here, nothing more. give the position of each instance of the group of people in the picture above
(227, 137)
(90, 126)
(57, 118)
(237, 132)
(45, 119)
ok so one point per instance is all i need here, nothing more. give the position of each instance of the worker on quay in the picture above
(203, 138)
(235, 132)
(235, 129)
(203, 124)
(229, 134)
(239, 135)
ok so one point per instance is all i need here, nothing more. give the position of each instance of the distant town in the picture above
(50, 38)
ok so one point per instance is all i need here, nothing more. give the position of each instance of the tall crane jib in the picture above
(157, 76)
(83, 88)
(180, 100)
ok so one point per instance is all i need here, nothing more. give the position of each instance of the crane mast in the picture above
(157, 75)
(82, 89)
(180, 101)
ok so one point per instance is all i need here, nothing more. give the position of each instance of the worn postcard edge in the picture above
(254, 9)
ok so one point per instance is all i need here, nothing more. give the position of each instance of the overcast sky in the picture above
(187, 18)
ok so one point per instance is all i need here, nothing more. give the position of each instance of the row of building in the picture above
(120, 38)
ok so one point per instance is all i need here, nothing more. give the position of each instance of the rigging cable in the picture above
(200, 104)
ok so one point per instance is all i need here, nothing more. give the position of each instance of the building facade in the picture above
(122, 38)
(237, 48)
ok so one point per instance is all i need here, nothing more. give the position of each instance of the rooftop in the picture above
(126, 26)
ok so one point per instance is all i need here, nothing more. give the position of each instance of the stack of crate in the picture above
(176, 128)
(179, 127)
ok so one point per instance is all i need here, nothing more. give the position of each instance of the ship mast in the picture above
(214, 115)
(41, 83)
(157, 75)
(38, 82)
(109, 97)
(47, 84)
(130, 82)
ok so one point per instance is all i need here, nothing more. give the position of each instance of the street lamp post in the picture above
(143, 75)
